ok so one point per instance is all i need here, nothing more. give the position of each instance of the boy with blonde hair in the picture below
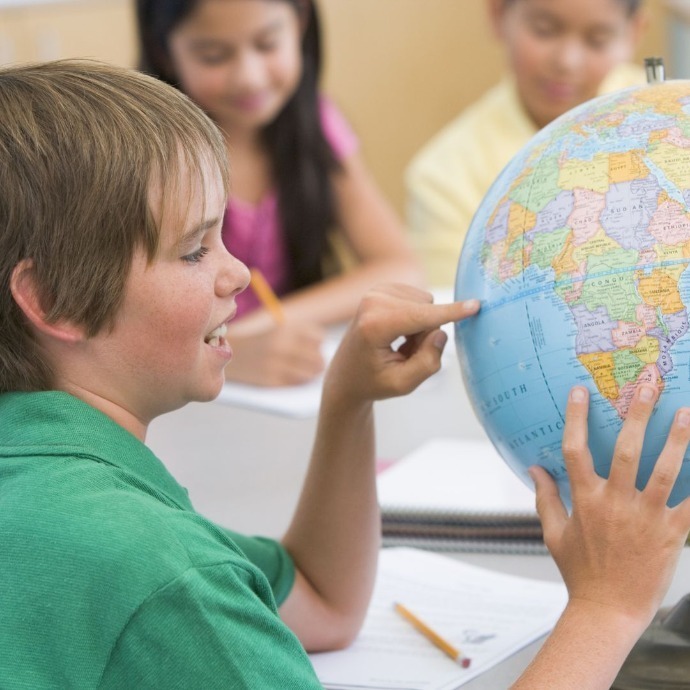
(559, 54)
(116, 292)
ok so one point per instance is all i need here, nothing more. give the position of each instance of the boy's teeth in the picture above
(214, 337)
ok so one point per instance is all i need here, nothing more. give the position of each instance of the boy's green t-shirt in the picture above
(110, 579)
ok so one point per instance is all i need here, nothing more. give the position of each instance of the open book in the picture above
(454, 494)
(488, 615)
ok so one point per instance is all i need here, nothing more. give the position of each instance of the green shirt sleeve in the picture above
(212, 627)
(271, 557)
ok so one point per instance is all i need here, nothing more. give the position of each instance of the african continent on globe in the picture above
(578, 254)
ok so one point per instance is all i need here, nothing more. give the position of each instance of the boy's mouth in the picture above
(216, 336)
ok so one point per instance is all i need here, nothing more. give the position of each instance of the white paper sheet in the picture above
(289, 401)
(488, 615)
(457, 477)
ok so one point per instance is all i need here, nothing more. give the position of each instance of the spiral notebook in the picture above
(455, 494)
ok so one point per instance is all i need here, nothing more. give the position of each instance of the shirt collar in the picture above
(57, 424)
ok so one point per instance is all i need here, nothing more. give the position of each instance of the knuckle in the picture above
(407, 383)
(368, 301)
(640, 411)
(424, 368)
(664, 477)
(679, 437)
(626, 453)
(573, 448)
(636, 417)
(432, 364)
(367, 323)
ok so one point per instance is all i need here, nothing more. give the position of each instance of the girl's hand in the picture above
(285, 354)
(367, 367)
(619, 548)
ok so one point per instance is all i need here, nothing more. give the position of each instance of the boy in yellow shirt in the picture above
(560, 53)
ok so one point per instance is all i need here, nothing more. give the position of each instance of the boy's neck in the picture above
(127, 419)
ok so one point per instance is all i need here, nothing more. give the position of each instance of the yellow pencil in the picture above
(446, 647)
(266, 295)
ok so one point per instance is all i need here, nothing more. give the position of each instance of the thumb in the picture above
(422, 360)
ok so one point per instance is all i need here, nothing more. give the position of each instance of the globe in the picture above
(579, 255)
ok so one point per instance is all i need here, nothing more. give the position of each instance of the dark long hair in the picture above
(302, 161)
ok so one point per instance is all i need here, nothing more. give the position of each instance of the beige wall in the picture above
(102, 29)
(400, 69)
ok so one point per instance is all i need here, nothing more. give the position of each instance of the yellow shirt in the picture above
(449, 177)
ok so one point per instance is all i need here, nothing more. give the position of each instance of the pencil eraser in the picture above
(465, 663)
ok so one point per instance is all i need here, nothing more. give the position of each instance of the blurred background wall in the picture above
(399, 69)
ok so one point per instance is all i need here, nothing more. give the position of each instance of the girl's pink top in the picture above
(254, 234)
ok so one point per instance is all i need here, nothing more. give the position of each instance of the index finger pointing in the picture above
(425, 317)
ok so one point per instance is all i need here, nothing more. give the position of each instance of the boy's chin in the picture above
(207, 394)
(213, 392)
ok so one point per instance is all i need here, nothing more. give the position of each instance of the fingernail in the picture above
(578, 395)
(647, 393)
(440, 340)
(471, 304)
(683, 419)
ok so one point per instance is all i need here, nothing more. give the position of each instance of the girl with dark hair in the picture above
(253, 66)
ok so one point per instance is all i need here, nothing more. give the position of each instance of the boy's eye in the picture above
(599, 42)
(267, 46)
(543, 29)
(196, 256)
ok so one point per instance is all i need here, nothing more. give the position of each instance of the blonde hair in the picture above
(81, 144)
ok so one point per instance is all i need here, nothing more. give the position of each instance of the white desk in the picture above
(244, 470)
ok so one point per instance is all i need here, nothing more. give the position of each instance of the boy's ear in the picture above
(25, 293)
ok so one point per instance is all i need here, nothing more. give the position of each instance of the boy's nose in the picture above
(569, 54)
(233, 277)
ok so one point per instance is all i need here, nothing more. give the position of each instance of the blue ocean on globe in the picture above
(579, 255)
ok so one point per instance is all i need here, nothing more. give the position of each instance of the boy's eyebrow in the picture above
(602, 30)
(542, 13)
(191, 235)
(271, 26)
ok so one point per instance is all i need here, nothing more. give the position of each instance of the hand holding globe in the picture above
(617, 550)
(579, 256)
